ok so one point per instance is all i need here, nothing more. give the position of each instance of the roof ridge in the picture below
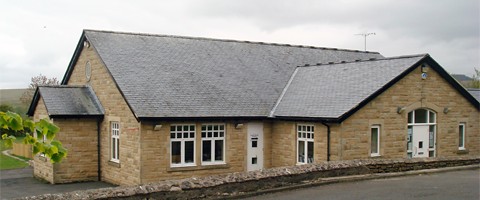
(230, 40)
(366, 60)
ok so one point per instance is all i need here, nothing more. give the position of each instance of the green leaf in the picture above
(28, 125)
(15, 121)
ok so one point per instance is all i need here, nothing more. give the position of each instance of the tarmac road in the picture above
(17, 183)
(462, 184)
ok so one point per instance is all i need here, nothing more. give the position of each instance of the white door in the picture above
(255, 146)
(420, 141)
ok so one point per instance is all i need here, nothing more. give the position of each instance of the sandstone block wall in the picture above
(127, 172)
(155, 154)
(351, 139)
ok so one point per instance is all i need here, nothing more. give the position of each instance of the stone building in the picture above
(138, 108)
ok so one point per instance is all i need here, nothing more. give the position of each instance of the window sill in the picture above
(194, 168)
(375, 155)
(114, 164)
(462, 151)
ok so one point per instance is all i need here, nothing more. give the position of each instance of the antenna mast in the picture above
(365, 38)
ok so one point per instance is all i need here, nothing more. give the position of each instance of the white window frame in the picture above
(304, 136)
(375, 154)
(212, 139)
(462, 147)
(182, 141)
(115, 138)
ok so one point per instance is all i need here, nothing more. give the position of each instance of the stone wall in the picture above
(230, 185)
(127, 171)
(155, 154)
(43, 168)
(79, 137)
(351, 139)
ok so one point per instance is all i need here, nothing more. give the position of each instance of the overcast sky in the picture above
(39, 37)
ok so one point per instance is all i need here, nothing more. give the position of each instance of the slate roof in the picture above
(172, 76)
(475, 93)
(330, 91)
(70, 101)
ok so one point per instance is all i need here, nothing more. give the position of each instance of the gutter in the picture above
(328, 140)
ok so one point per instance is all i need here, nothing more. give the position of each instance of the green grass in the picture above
(8, 162)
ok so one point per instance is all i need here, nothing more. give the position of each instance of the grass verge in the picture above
(7, 162)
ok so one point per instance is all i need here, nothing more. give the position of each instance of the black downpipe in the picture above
(99, 173)
(328, 140)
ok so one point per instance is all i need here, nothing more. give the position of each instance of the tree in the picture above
(475, 79)
(40, 80)
(42, 141)
(5, 108)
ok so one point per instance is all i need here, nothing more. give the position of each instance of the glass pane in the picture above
(179, 128)
(176, 153)
(222, 134)
(189, 151)
(185, 135)
(215, 134)
(421, 116)
(185, 128)
(207, 151)
(113, 148)
(209, 134)
(218, 150)
(204, 127)
(409, 138)
(204, 134)
(118, 149)
(222, 127)
(179, 135)
(431, 154)
(172, 128)
(192, 134)
(460, 135)
(254, 143)
(374, 142)
(192, 128)
(172, 135)
(409, 155)
(410, 117)
(310, 152)
(301, 151)
(431, 118)
(431, 136)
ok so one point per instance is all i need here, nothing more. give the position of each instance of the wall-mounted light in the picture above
(157, 127)
(86, 44)
(446, 110)
(238, 125)
(400, 109)
(424, 68)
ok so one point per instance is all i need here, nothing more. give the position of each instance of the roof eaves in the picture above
(73, 61)
(33, 104)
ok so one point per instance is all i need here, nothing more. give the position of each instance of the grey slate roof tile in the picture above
(171, 76)
(475, 93)
(329, 91)
(70, 100)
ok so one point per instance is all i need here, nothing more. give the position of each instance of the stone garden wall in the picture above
(233, 184)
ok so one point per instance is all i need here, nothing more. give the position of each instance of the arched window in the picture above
(421, 133)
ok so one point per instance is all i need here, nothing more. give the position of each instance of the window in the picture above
(305, 143)
(375, 141)
(461, 136)
(213, 144)
(182, 144)
(115, 144)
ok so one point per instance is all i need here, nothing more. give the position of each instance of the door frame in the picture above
(431, 123)
(255, 134)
